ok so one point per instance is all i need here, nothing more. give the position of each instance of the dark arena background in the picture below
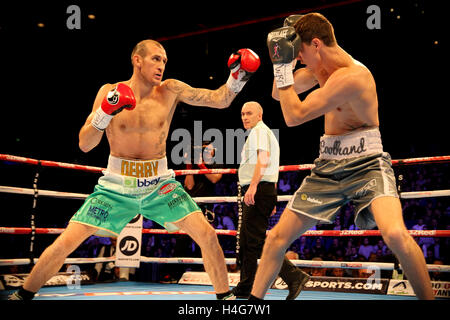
(50, 75)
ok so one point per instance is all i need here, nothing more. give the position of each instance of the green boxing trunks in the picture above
(350, 168)
(129, 187)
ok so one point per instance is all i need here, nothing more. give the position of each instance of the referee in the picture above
(258, 175)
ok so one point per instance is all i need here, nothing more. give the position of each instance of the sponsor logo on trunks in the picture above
(176, 201)
(305, 197)
(98, 213)
(139, 169)
(336, 148)
(167, 188)
(368, 186)
(99, 202)
(140, 182)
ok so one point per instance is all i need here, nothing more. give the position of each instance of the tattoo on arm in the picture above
(202, 97)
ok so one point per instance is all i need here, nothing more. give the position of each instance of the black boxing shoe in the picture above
(15, 296)
(239, 294)
(21, 294)
(296, 286)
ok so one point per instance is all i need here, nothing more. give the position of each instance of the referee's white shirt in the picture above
(259, 138)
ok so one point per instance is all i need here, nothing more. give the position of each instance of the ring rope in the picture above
(283, 198)
(304, 263)
(299, 263)
(46, 163)
(309, 233)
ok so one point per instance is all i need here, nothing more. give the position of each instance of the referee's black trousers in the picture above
(255, 221)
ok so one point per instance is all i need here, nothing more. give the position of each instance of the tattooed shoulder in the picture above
(175, 86)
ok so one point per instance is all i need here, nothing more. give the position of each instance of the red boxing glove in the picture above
(242, 65)
(119, 98)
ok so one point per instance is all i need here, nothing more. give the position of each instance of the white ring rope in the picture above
(43, 193)
(227, 199)
(283, 198)
(298, 263)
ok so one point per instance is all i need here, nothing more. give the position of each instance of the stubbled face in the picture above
(152, 66)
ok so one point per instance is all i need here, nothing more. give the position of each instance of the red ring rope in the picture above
(46, 163)
(309, 233)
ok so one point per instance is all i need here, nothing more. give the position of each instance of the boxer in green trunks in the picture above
(118, 195)
(351, 165)
(136, 116)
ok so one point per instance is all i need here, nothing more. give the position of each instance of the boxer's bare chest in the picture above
(149, 115)
(142, 132)
(352, 115)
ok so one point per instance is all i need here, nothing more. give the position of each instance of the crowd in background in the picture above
(419, 214)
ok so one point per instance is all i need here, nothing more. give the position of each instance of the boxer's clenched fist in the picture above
(119, 98)
(242, 64)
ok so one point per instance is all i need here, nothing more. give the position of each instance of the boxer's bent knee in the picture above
(275, 239)
(397, 239)
(208, 238)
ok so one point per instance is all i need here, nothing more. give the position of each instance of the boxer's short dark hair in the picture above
(315, 25)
